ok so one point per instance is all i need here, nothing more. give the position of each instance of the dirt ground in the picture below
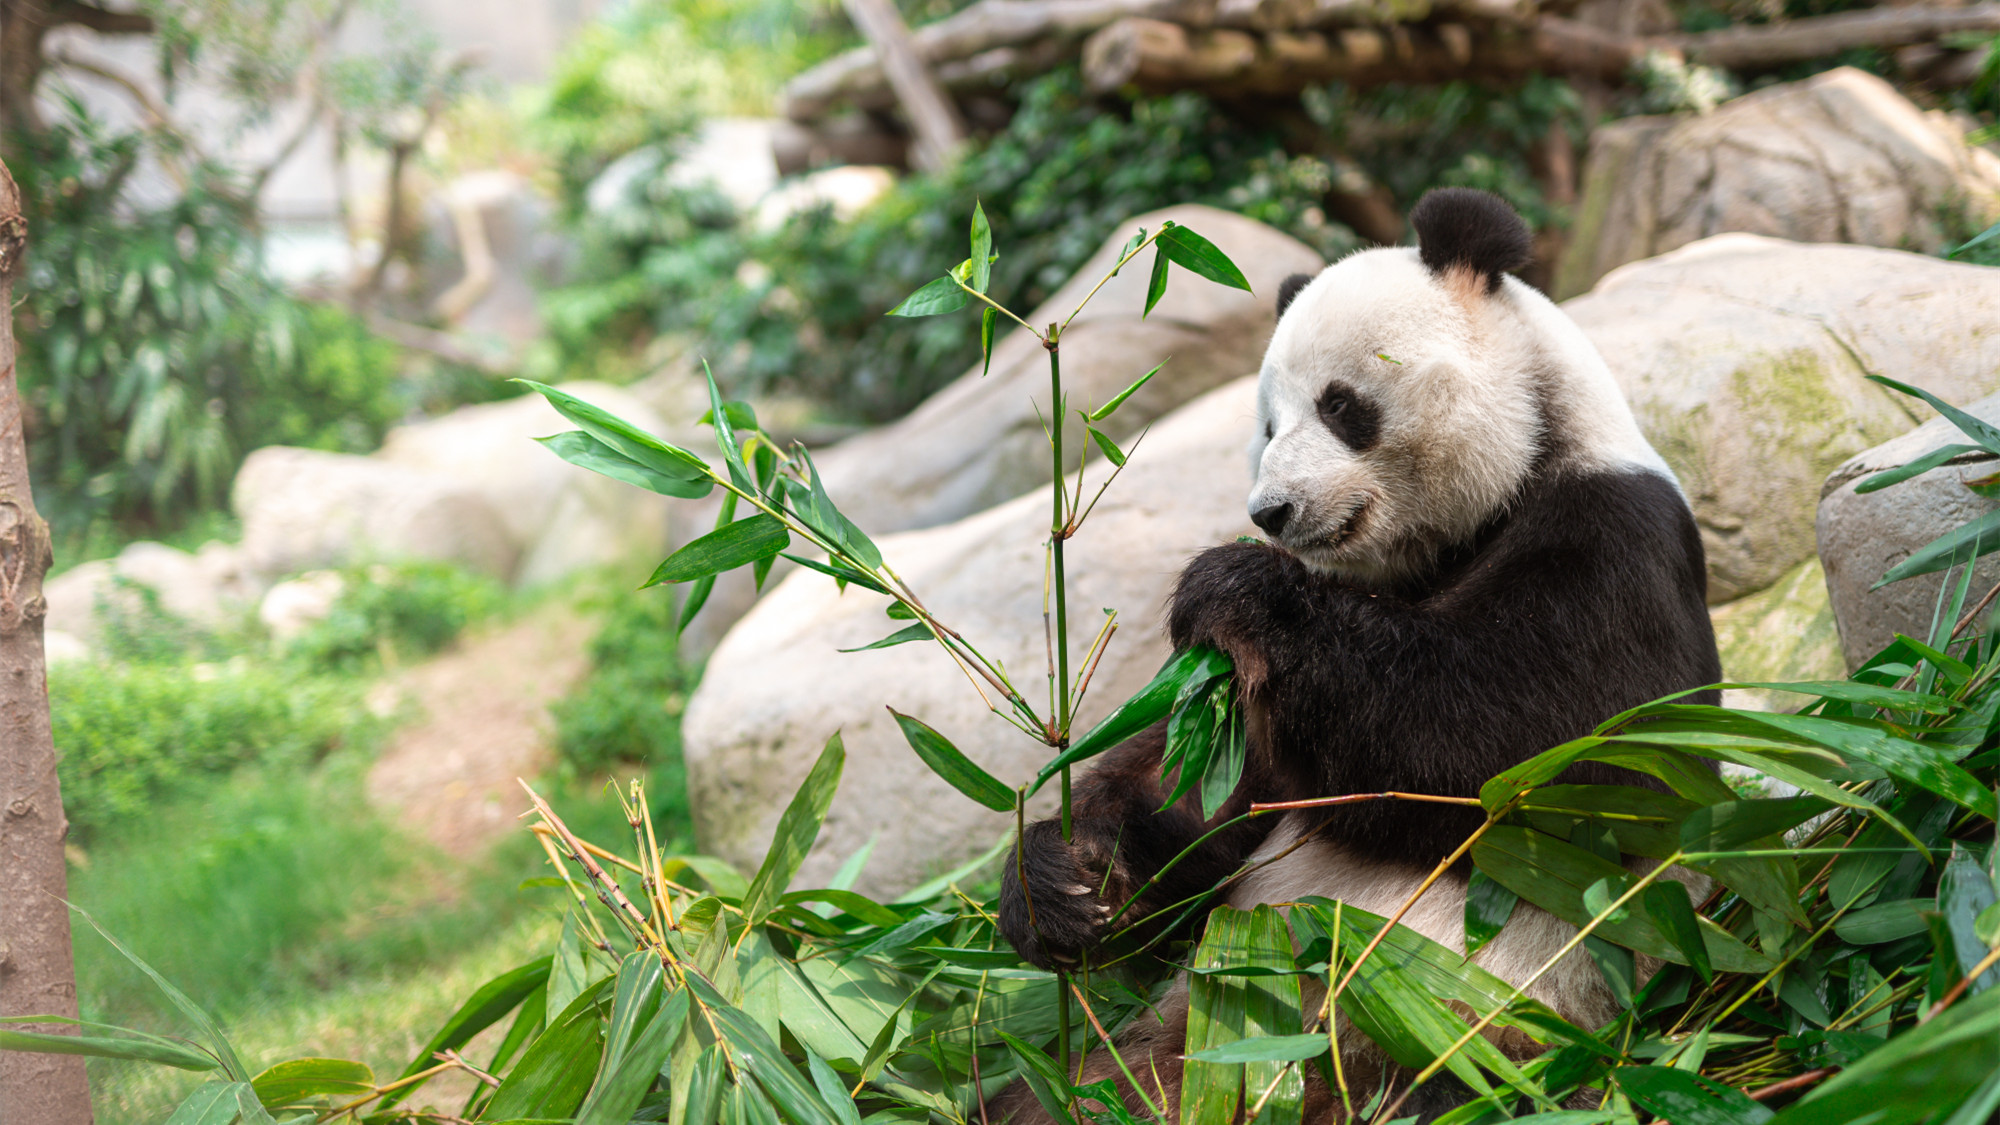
(482, 721)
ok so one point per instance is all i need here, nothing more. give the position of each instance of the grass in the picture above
(323, 929)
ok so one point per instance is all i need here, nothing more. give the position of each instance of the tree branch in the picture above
(101, 20)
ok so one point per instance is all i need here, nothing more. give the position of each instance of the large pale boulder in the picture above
(1862, 535)
(561, 518)
(979, 441)
(1838, 157)
(1745, 360)
(210, 587)
(306, 510)
(749, 745)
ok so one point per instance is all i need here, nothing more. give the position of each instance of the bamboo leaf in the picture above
(1735, 825)
(1191, 251)
(745, 541)
(982, 250)
(643, 1031)
(1687, 1099)
(484, 1008)
(584, 451)
(940, 296)
(1118, 400)
(1044, 1080)
(951, 764)
(1668, 905)
(798, 828)
(697, 596)
(1961, 545)
(1965, 891)
(1156, 285)
(1268, 1048)
(232, 1066)
(1154, 702)
(758, 1054)
(1553, 875)
(556, 1071)
(839, 572)
(144, 1050)
(1978, 430)
(1980, 239)
(1917, 1075)
(832, 1091)
(1110, 448)
(214, 1102)
(903, 636)
(989, 318)
(624, 437)
(725, 434)
(295, 1080)
(1488, 905)
(1918, 467)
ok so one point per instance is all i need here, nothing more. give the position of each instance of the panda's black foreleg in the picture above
(1124, 861)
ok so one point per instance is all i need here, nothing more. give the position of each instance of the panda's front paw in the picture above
(1241, 598)
(1058, 916)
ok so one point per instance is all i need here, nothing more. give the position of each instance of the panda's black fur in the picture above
(1581, 597)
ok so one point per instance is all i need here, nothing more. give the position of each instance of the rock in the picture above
(559, 518)
(297, 604)
(1862, 535)
(306, 510)
(846, 189)
(748, 745)
(1838, 157)
(1782, 634)
(59, 648)
(979, 442)
(209, 588)
(1744, 359)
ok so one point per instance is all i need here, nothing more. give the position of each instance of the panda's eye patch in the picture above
(1348, 416)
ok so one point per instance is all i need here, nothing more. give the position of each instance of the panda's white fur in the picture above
(1465, 379)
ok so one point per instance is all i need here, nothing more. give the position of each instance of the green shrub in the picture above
(629, 708)
(397, 610)
(804, 313)
(128, 734)
(155, 350)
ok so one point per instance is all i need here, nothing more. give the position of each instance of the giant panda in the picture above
(1473, 555)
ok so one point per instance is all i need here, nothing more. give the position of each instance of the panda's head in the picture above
(1398, 409)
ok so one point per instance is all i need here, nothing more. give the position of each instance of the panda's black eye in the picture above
(1348, 416)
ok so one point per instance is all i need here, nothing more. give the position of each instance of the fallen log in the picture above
(1764, 46)
(1047, 29)
(856, 77)
(1157, 57)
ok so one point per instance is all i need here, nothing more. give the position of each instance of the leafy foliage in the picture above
(401, 610)
(628, 709)
(665, 258)
(1463, 134)
(130, 734)
(154, 349)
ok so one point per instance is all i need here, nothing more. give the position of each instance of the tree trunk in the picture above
(24, 24)
(37, 976)
(933, 116)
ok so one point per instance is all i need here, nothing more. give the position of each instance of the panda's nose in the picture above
(1272, 518)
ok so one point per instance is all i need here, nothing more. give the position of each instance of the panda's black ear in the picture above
(1289, 288)
(1463, 228)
